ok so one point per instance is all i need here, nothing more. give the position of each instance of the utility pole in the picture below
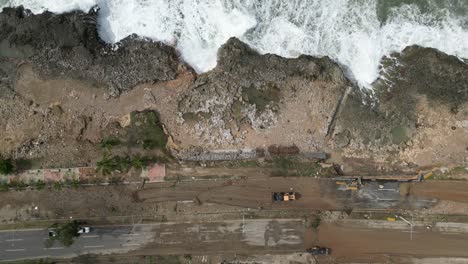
(409, 223)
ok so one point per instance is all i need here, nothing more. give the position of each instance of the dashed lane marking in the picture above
(17, 239)
(98, 246)
(14, 250)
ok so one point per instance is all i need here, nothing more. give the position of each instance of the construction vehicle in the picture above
(284, 196)
(352, 186)
(319, 250)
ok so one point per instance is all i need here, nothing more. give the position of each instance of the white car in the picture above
(84, 230)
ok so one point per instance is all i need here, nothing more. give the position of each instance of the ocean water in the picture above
(355, 33)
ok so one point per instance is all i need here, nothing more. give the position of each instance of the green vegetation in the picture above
(110, 142)
(6, 167)
(40, 185)
(65, 233)
(4, 186)
(316, 222)
(58, 185)
(399, 135)
(146, 129)
(18, 185)
(236, 109)
(34, 261)
(261, 98)
(109, 163)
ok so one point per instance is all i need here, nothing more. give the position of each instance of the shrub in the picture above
(58, 185)
(110, 142)
(18, 185)
(6, 167)
(4, 186)
(316, 223)
(65, 233)
(40, 185)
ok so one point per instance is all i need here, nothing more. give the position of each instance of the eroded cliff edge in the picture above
(62, 91)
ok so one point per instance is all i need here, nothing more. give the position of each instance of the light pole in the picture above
(409, 223)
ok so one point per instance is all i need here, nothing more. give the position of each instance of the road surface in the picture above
(20, 244)
(315, 194)
(348, 239)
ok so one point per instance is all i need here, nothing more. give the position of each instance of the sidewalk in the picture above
(151, 173)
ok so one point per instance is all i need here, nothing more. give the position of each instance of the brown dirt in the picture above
(66, 119)
(444, 190)
(347, 241)
(253, 193)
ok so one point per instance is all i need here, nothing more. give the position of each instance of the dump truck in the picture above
(283, 196)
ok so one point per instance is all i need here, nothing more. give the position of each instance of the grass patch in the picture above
(236, 109)
(110, 142)
(146, 130)
(399, 135)
(109, 164)
(262, 98)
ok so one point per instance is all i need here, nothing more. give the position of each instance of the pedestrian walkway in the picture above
(151, 173)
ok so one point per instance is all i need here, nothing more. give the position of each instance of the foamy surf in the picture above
(355, 33)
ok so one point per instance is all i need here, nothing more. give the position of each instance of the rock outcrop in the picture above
(68, 46)
(417, 113)
(53, 110)
(248, 91)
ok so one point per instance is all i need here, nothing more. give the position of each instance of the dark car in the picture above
(52, 232)
(319, 250)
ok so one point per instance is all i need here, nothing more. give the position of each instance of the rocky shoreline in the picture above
(63, 91)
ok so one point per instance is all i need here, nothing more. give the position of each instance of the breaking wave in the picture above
(355, 33)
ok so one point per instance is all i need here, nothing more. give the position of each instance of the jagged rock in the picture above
(68, 46)
(246, 87)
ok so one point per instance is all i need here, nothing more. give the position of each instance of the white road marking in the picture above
(131, 244)
(211, 241)
(131, 234)
(99, 246)
(166, 233)
(414, 232)
(209, 231)
(171, 243)
(54, 248)
(13, 250)
(428, 201)
(18, 239)
(89, 236)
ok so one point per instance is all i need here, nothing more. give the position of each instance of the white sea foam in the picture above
(348, 31)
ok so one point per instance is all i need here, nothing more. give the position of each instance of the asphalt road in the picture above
(20, 244)
(348, 239)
